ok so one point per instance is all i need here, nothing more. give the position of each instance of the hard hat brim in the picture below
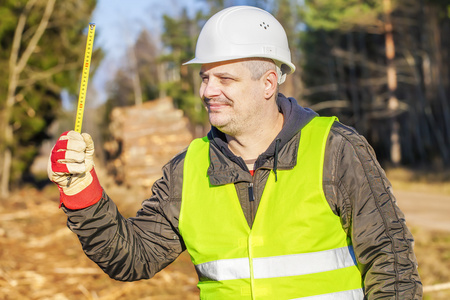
(200, 61)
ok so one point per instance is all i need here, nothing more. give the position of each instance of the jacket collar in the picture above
(226, 167)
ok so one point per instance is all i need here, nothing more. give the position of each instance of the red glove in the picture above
(71, 167)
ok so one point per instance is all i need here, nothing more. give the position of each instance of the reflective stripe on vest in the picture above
(278, 266)
(296, 248)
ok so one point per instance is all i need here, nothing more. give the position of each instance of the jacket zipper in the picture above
(251, 198)
(251, 195)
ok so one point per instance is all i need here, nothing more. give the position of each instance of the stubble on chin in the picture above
(222, 119)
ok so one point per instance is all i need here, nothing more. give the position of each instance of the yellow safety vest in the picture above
(296, 247)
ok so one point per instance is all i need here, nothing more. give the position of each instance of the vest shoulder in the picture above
(341, 131)
(177, 161)
(344, 140)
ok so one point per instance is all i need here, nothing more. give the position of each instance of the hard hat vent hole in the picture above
(264, 25)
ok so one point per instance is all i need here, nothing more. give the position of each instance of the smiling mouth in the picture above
(213, 105)
(216, 105)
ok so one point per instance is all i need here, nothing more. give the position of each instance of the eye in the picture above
(204, 79)
(226, 79)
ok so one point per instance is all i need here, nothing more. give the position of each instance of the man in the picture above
(275, 203)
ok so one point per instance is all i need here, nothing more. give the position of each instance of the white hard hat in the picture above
(244, 32)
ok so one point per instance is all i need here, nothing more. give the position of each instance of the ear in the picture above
(270, 83)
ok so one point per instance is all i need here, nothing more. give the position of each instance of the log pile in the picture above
(144, 139)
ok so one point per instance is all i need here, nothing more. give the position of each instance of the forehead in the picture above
(232, 67)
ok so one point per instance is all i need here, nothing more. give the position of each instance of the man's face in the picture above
(232, 98)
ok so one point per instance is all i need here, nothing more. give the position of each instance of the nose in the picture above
(210, 89)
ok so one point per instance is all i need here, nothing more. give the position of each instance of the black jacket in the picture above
(355, 187)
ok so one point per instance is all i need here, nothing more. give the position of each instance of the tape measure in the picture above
(85, 77)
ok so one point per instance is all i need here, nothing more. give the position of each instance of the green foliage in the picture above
(188, 102)
(179, 38)
(146, 54)
(54, 65)
(341, 14)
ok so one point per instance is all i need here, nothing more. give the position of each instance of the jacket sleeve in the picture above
(358, 191)
(139, 247)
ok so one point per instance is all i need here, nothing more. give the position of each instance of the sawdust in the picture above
(41, 259)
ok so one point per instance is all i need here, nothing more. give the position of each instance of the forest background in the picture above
(381, 66)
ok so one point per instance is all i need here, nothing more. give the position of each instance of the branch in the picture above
(331, 87)
(37, 36)
(53, 87)
(36, 76)
(341, 53)
(18, 35)
(13, 71)
(330, 104)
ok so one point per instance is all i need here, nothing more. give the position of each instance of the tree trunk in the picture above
(440, 77)
(16, 66)
(433, 82)
(353, 82)
(393, 103)
(135, 77)
(366, 92)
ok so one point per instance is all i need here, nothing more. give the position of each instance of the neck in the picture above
(251, 143)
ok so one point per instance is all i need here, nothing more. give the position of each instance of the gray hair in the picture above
(259, 66)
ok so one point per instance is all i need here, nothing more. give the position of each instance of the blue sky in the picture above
(117, 26)
(119, 22)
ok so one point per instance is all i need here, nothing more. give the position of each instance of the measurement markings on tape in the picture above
(85, 77)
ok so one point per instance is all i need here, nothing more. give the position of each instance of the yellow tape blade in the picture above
(85, 78)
